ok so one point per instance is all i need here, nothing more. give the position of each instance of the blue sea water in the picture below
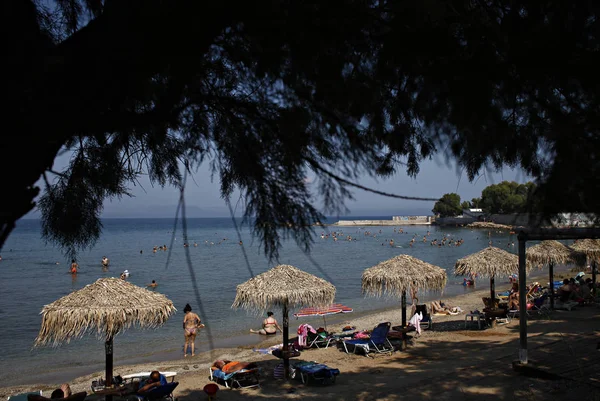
(31, 278)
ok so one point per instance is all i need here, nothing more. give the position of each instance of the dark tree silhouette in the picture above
(267, 92)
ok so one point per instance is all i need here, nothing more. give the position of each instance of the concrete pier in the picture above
(395, 221)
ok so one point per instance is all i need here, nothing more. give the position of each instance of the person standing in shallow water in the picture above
(191, 324)
(74, 266)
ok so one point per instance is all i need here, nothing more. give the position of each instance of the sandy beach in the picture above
(446, 362)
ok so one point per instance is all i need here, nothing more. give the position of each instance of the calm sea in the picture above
(33, 274)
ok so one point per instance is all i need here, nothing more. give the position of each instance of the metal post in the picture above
(594, 278)
(403, 309)
(522, 300)
(108, 347)
(492, 291)
(551, 269)
(286, 347)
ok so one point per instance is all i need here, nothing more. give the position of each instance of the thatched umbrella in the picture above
(284, 286)
(107, 307)
(552, 252)
(489, 262)
(395, 276)
(591, 248)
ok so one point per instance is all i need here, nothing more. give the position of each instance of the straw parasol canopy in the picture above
(550, 253)
(399, 274)
(283, 285)
(590, 247)
(107, 307)
(402, 273)
(553, 252)
(489, 262)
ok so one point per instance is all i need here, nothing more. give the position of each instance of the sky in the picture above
(203, 198)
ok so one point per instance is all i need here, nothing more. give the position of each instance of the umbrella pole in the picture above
(594, 278)
(492, 291)
(403, 308)
(325, 322)
(286, 347)
(551, 269)
(108, 347)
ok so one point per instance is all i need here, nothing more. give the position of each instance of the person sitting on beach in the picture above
(269, 327)
(513, 298)
(63, 392)
(565, 292)
(155, 380)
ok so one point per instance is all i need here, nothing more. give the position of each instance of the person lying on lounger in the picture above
(63, 392)
(440, 308)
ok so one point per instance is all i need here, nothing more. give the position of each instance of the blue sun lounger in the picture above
(315, 371)
(244, 378)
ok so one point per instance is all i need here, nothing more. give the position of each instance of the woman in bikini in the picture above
(191, 324)
(270, 326)
(74, 267)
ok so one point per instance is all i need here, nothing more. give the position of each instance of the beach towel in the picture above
(235, 366)
(303, 331)
(415, 321)
(267, 350)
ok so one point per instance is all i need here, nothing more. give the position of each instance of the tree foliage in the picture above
(448, 206)
(269, 94)
(507, 197)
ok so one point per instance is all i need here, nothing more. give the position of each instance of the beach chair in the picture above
(164, 392)
(378, 342)
(539, 305)
(319, 340)
(245, 377)
(38, 397)
(427, 321)
(314, 371)
(23, 396)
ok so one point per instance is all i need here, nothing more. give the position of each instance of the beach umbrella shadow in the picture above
(107, 307)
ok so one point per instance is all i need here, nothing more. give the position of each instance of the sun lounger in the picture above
(235, 374)
(315, 371)
(23, 396)
(319, 340)
(73, 397)
(164, 392)
(378, 342)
